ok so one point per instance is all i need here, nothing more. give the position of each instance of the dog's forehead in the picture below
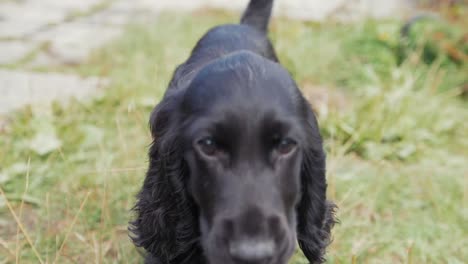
(242, 81)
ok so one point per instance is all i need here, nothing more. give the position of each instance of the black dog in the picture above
(237, 169)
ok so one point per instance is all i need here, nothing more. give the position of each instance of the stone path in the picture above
(299, 9)
(32, 86)
(64, 32)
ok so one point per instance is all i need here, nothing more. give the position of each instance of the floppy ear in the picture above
(167, 222)
(315, 214)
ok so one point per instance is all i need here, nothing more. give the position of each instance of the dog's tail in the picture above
(257, 14)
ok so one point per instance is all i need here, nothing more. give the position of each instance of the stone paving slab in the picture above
(71, 43)
(344, 10)
(31, 11)
(316, 10)
(69, 5)
(125, 6)
(17, 29)
(18, 88)
(119, 13)
(12, 51)
(43, 59)
(19, 19)
(110, 18)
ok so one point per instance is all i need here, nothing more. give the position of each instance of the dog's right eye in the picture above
(285, 146)
(208, 146)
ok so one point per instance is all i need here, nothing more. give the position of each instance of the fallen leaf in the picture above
(44, 143)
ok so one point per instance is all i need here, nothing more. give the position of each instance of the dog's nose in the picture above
(252, 235)
(252, 250)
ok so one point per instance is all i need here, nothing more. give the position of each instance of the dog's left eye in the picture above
(285, 146)
(208, 146)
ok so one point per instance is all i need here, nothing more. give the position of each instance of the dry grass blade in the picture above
(21, 227)
(57, 255)
(18, 246)
(410, 255)
(4, 244)
(48, 223)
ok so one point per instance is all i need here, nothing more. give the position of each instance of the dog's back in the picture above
(249, 35)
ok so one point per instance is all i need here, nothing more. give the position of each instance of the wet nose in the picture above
(252, 250)
(252, 235)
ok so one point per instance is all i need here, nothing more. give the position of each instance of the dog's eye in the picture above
(208, 146)
(285, 146)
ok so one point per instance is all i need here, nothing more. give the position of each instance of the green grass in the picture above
(397, 150)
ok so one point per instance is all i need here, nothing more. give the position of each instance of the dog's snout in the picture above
(253, 222)
(252, 250)
(253, 235)
(274, 223)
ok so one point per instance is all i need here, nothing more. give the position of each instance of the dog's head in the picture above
(250, 173)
